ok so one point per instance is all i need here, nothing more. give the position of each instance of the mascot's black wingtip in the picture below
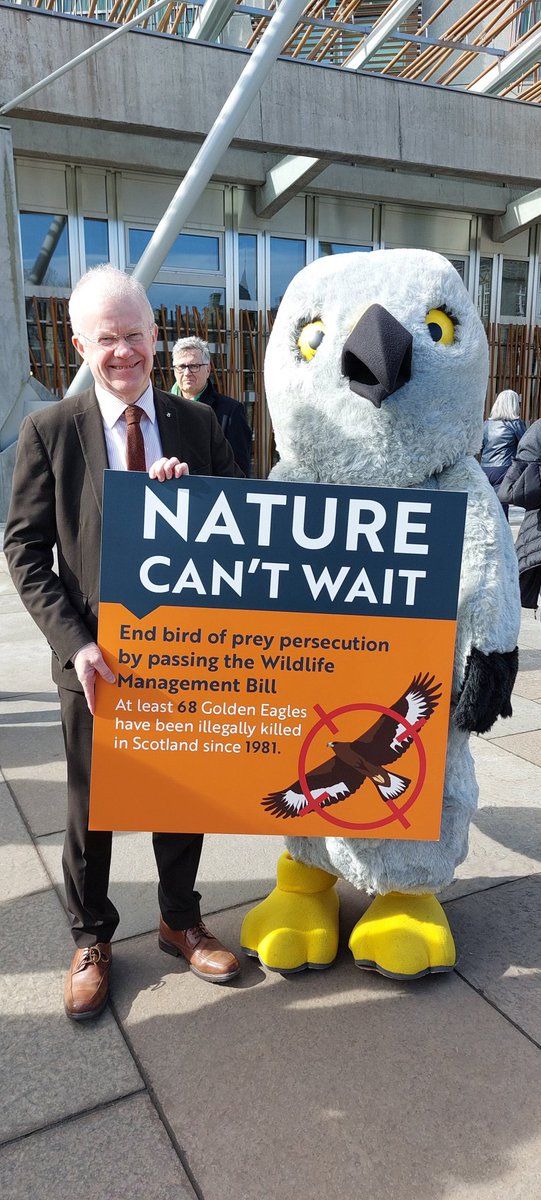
(486, 690)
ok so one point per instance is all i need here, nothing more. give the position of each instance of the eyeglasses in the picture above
(189, 367)
(110, 342)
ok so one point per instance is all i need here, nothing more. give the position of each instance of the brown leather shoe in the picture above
(86, 986)
(204, 953)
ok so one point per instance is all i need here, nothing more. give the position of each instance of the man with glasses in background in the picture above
(191, 364)
(121, 422)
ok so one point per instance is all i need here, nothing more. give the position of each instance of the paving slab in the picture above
(7, 590)
(41, 795)
(9, 603)
(499, 934)
(496, 760)
(488, 863)
(33, 759)
(20, 627)
(528, 684)
(530, 657)
(526, 716)
(117, 1153)
(234, 870)
(330, 1084)
(523, 745)
(517, 830)
(21, 870)
(334, 1083)
(40, 709)
(26, 657)
(530, 631)
(528, 680)
(52, 1067)
(505, 833)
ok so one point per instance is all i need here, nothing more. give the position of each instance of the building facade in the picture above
(379, 157)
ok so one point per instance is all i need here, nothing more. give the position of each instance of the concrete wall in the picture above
(148, 102)
(303, 108)
(144, 152)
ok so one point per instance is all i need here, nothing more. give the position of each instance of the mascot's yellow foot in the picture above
(297, 925)
(404, 937)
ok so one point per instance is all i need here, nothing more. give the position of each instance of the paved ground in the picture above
(337, 1085)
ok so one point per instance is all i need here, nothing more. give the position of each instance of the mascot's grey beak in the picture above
(377, 355)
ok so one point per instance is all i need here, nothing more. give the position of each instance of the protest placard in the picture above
(283, 657)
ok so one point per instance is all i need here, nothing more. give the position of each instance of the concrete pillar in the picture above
(19, 393)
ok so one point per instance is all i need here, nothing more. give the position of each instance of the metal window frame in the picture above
(169, 274)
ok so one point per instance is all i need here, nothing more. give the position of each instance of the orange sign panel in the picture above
(227, 717)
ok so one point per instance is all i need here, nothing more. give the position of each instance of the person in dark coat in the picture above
(56, 504)
(522, 486)
(501, 435)
(191, 364)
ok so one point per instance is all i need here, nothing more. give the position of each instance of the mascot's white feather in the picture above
(423, 435)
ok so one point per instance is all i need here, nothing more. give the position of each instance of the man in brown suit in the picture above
(56, 503)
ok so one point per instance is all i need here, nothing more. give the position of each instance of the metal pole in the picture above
(74, 62)
(207, 158)
(382, 30)
(212, 18)
(515, 61)
(219, 138)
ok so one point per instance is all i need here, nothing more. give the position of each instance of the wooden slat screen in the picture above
(238, 353)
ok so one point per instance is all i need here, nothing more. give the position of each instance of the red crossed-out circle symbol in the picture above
(327, 720)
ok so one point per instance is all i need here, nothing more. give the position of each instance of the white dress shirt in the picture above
(115, 428)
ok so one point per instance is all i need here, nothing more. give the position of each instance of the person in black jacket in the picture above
(191, 364)
(522, 486)
(56, 504)
(501, 435)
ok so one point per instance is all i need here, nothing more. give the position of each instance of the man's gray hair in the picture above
(506, 406)
(105, 283)
(191, 343)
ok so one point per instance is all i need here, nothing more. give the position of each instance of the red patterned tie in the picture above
(135, 446)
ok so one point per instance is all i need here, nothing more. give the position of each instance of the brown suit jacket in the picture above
(56, 502)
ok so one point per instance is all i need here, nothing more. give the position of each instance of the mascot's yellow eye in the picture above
(440, 326)
(310, 339)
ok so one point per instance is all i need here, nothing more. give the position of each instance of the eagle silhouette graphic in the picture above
(364, 758)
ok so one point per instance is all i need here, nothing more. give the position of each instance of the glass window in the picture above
(459, 264)
(190, 251)
(184, 295)
(339, 248)
(96, 242)
(484, 294)
(529, 17)
(287, 257)
(247, 267)
(514, 289)
(44, 239)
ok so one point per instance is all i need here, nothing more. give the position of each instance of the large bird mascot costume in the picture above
(376, 374)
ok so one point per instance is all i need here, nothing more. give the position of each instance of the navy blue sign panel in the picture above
(274, 546)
